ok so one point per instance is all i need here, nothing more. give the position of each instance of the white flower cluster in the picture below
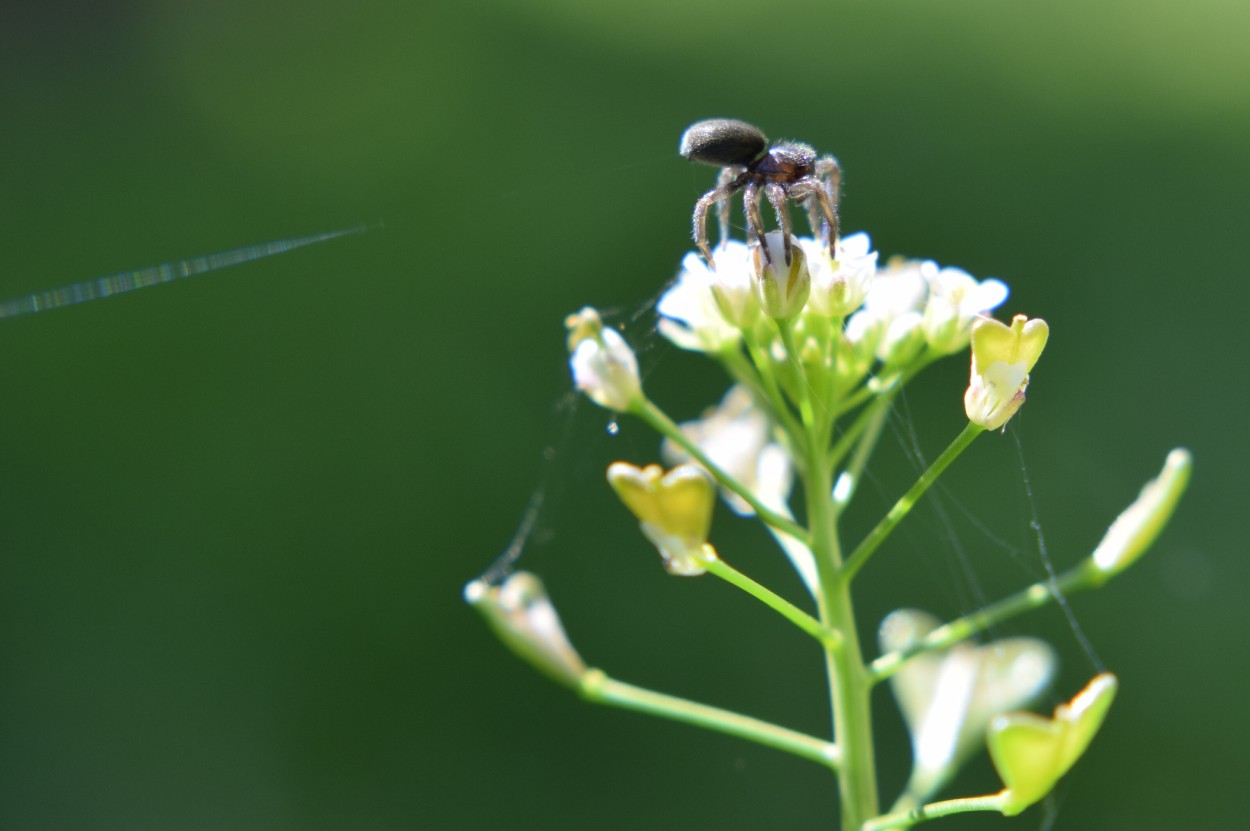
(891, 314)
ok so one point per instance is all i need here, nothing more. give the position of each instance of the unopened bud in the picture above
(603, 365)
(1136, 529)
(523, 618)
(783, 286)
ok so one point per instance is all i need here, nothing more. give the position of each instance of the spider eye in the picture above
(723, 141)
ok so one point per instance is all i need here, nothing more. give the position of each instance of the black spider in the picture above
(786, 170)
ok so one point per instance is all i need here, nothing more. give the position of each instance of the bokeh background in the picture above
(236, 513)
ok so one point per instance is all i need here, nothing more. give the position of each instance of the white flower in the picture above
(863, 332)
(840, 285)
(603, 365)
(903, 340)
(949, 696)
(901, 287)
(733, 284)
(890, 321)
(704, 309)
(955, 299)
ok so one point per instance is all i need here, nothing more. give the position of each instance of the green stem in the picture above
(665, 426)
(904, 505)
(854, 399)
(792, 613)
(742, 371)
(851, 699)
(596, 686)
(767, 385)
(906, 819)
(1039, 594)
(868, 424)
(851, 434)
(785, 328)
(850, 688)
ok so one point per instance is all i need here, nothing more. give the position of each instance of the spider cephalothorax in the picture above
(788, 170)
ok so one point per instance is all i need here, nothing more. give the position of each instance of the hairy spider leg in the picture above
(779, 198)
(723, 178)
(751, 207)
(830, 172)
(720, 193)
(812, 207)
(815, 190)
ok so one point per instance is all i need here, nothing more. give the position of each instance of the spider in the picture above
(788, 170)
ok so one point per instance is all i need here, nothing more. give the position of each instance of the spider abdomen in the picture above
(723, 141)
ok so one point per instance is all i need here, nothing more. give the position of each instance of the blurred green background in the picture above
(237, 512)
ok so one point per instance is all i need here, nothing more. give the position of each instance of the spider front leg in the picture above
(830, 174)
(815, 190)
(813, 218)
(778, 197)
(720, 193)
(755, 225)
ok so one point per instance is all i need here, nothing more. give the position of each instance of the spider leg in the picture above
(814, 189)
(723, 178)
(777, 195)
(813, 216)
(830, 173)
(751, 207)
(720, 193)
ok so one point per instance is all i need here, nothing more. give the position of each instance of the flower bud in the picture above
(674, 510)
(523, 618)
(603, 365)
(1032, 753)
(1137, 527)
(783, 287)
(1001, 359)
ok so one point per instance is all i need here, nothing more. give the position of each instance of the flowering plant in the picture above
(818, 340)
